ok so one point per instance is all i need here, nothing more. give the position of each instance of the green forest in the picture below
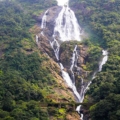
(22, 74)
(102, 18)
(26, 80)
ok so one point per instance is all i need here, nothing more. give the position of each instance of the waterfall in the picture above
(83, 91)
(66, 28)
(69, 82)
(62, 2)
(73, 62)
(66, 25)
(43, 24)
(104, 59)
(36, 39)
(56, 46)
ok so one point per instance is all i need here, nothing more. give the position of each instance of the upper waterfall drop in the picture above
(43, 24)
(65, 28)
(104, 59)
(66, 25)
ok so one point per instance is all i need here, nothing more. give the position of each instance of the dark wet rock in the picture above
(50, 20)
(45, 47)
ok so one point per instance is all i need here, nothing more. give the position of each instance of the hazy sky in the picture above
(62, 2)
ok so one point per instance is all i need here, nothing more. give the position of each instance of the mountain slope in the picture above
(103, 18)
(30, 75)
(27, 76)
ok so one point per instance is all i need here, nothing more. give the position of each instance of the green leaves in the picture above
(22, 75)
(103, 20)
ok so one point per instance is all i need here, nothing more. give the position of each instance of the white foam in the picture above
(62, 2)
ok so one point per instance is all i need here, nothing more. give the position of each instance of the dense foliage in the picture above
(102, 17)
(22, 75)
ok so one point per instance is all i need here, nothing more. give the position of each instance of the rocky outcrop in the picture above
(45, 34)
(72, 116)
(66, 53)
(50, 21)
(63, 93)
(42, 42)
(43, 39)
(45, 47)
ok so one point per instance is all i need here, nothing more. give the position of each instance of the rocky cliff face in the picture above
(66, 49)
(65, 56)
(50, 21)
(62, 92)
(66, 52)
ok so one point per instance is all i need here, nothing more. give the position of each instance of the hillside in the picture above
(30, 74)
(27, 76)
(102, 17)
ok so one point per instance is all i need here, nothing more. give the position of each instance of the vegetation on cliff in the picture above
(27, 77)
(102, 17)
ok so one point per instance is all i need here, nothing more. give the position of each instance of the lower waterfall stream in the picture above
(67, 28)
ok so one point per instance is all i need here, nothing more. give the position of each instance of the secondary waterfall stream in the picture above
(104, 59)
(67, 28)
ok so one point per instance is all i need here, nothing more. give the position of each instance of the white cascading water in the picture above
(73, 62)
(56, 46)
(104, 59)
(36, 39)
(66, 25)
(62, 2)
(65, 19)
(67, 28)
(83, 91)
(43, 23)
(69, 82)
